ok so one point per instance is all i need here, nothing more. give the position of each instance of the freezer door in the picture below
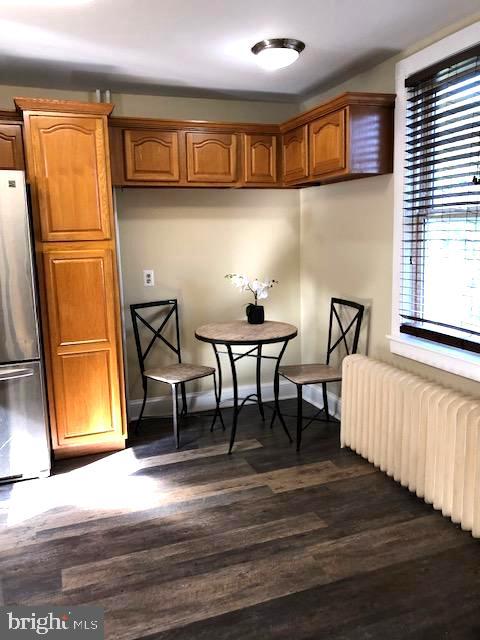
(24, 448)
(18, 317)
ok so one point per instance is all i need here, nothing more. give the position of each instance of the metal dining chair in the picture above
(176, 374)
(305, 374)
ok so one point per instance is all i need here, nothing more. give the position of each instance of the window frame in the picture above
(451, 359)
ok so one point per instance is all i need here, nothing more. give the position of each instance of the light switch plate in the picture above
(148, 278)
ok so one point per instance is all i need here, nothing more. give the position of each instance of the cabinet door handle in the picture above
(13, 374)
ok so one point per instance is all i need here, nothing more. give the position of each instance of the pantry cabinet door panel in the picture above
(72, 176)
(83, 348)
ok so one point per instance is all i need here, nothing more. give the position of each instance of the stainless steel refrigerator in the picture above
(24, 441)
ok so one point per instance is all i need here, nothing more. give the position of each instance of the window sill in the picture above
(457, 361)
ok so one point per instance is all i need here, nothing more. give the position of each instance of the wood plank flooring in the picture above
(266, 543)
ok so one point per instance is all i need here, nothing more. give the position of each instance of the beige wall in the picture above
(346, 247)
(192, 238)
(202, 108)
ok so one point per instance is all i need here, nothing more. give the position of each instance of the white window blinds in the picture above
(440, 278)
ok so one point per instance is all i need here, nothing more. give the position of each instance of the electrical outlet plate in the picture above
(148, 278)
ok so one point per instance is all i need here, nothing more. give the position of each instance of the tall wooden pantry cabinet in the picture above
(68, 167)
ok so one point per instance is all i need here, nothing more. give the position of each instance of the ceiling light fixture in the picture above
(277, 53)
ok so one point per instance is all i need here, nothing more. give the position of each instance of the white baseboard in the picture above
(205, 400)
(313, 393)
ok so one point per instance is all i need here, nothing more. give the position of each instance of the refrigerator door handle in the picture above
(13, 374)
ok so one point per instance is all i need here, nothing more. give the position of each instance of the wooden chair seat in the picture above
(310, 373)
(179, 372)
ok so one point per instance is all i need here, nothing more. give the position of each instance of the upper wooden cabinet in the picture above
(152, 155)
(348, 137)
(260, 153)
(295, 157)
(169, 153)
(11, 147)
(72, 176)
(327, 143)
(211, 157)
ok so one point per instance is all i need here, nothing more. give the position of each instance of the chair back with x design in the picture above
(348, 329)
(170, 308)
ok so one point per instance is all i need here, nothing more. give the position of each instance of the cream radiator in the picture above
(425, 436)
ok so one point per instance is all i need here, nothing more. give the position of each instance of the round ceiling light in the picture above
(277, 53)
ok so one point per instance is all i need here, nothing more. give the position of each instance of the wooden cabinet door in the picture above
(211, 157)
(11, 147)
(295, 160)
(69, 155)
(327, 143)
(152, 155)
(81, 312)
(260, 158)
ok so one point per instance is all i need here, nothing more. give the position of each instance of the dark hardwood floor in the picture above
(265, 543)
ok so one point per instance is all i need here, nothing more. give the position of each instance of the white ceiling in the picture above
(202, 47)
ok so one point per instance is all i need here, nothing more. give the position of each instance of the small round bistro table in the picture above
(241, 333)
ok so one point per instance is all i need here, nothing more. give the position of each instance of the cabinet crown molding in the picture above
(63, 106)
(346, 99)
(192, 125)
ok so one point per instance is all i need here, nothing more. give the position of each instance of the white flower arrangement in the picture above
(259, 288)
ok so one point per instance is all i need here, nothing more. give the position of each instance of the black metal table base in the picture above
(239, 403)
